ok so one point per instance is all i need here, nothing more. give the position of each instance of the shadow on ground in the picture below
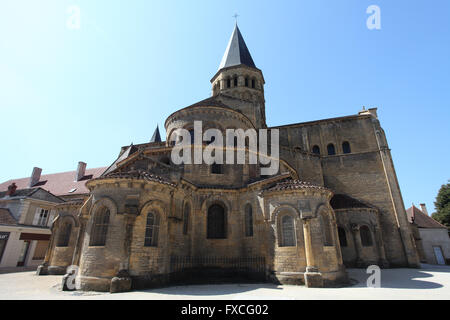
(405, 279)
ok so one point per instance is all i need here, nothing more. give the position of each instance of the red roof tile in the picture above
(58, 183)
(421, 219)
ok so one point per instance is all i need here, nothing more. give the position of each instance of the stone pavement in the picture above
(430, 282)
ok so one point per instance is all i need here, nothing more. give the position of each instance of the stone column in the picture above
(313, 279)
(357, 243)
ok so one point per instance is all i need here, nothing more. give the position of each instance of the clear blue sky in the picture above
(69, 95)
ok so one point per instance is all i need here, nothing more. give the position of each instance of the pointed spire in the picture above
(237, 52)
(156, 136)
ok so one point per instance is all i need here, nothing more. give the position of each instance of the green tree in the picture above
(442, 205)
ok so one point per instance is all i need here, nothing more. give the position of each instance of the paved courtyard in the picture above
(430, 282)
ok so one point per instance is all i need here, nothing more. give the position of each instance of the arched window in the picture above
(216, 168)
(235, 80)
(342, 237)
(186, 213)
(253, 83)
(316, 150)
(64, 235)
(246, 82)
(100, 228)
(248, 220)
(228, 83)
(326, 228)
(346, 147)
(216, 222)
(366, 237)
(331, 149)
(151, 230)
(287, 232)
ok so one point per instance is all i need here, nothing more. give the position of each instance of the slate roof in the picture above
(6, 218)
(342, 201)
(58, 183)
(156, 136)
(237, 52)
(421, 219)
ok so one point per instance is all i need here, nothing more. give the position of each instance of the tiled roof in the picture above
(6, 218)
(294, 185)
(136, 174)
(58, 183)
(342, 201)
(20, 193)
(421, 219)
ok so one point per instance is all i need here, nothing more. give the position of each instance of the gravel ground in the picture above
(430, 282)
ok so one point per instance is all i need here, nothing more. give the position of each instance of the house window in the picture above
(216, 168)
(64, 235)
(246, 82)
(248, 221)
(253, 83)
(316, 150)
(151, 230)
(366, 237)
(228, 83)
(342, 237)
(186, 213)
(43, 217)
(346, 147)
(287, 232)
(216, 222)
(235, 81)
(100, 228)
(331, 149)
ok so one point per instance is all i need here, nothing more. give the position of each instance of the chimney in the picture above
(11, 189)
(81, 170)
(35, 176)
(423, 208)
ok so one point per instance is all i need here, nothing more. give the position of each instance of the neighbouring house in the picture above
(432, 238)
(28, 207)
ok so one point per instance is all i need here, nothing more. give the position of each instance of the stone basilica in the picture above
(335, 202)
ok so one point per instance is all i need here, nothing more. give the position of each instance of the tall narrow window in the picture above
(64, 235)
(316, 150)
(228, 83)
(43, 217)
(216, 220)
(331, 149)
(186, 213)
(246, 82)
(342, 237)
(100, 228)
(191, 133)
(151, 230)
(346, 147)
(253, 83)
(366, 237)
(287, 232)
(248, 221)
(235, 80)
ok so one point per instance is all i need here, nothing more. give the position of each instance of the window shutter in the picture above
(36, 216)
(51, 217)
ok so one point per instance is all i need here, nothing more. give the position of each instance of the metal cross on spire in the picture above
(235, 17)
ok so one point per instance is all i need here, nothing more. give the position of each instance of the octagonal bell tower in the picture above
(239, 78)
